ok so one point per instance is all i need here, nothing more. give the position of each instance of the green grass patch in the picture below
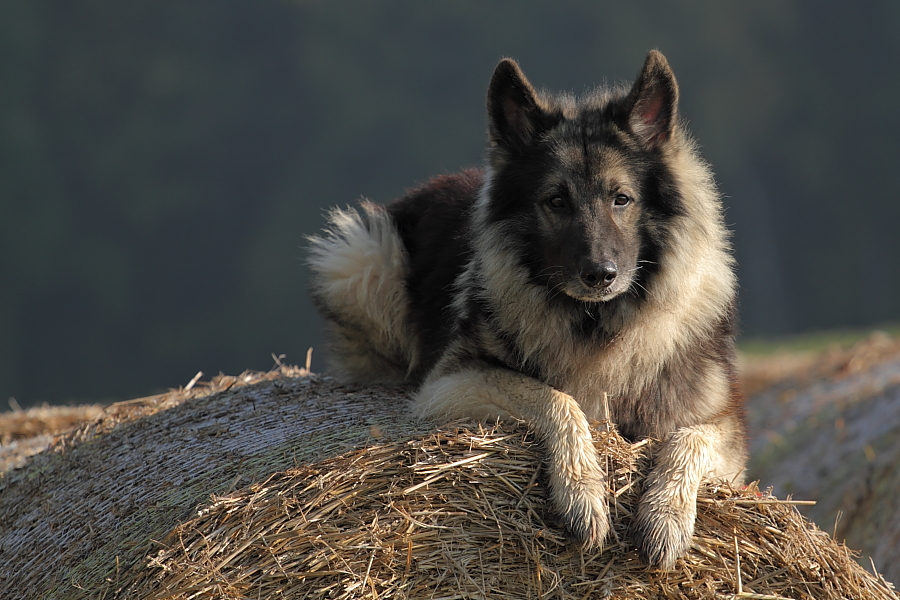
(812, 341)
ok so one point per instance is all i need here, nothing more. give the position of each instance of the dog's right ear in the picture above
(515, 113)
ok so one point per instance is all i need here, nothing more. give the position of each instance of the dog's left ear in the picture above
(652, 102)
(515, 113)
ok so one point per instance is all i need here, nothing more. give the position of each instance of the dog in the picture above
(588, 256)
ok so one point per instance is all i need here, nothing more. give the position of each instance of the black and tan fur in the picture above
(588, 256)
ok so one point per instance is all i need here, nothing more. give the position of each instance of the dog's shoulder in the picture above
(433, 222)
(440, 205)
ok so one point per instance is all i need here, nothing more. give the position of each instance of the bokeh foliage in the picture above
(160, 162)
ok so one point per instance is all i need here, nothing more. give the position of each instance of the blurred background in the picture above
(161, 162)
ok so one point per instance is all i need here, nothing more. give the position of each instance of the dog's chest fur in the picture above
(651, 388)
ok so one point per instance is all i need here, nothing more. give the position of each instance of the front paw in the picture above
(584, 509)
(663, 532)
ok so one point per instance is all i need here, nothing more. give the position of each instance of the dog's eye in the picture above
(556, 203)
(621, 200)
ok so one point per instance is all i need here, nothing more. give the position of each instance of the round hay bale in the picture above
(832, 432)
(24, 433)
(460, 513)
(364, 503)
(78, 516)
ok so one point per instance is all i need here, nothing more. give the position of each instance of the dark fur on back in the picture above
(589, 257)
(433, 223)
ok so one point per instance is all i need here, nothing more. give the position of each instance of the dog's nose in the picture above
(598, 274)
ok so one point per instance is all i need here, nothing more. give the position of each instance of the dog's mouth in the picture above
(591, 295)
(577, 289)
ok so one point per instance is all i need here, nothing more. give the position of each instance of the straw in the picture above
(459, 513)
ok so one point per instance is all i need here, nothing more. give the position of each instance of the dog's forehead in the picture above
(593, 154)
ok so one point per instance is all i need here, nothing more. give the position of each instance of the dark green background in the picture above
(161, 161)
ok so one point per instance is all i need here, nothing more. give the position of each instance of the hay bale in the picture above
(460, 513)
(19, 424)
(78, 516)
(832, 432)
(24, 433)
(364, 503)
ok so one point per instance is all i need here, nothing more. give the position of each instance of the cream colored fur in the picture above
(359, 266)
(668, 508)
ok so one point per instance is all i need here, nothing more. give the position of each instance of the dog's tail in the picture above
(359, 269)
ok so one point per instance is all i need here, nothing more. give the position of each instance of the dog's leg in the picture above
(578, 488)
(665, 519)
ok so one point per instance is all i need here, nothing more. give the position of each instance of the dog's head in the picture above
(582, 186)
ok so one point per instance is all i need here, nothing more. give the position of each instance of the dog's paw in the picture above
(663, 533)
(584, 509)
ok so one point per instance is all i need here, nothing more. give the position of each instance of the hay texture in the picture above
(175, 497)
(460, 513)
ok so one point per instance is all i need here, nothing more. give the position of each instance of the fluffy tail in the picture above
(359, 269)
